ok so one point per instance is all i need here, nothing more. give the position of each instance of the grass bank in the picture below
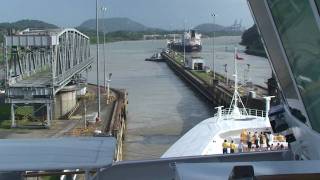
(22, 115)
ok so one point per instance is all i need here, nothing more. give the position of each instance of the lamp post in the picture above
(98, 83)
(248, 75)
(214, 34)
(85, 111)
(108, 89)
(104, 10)
(184, 43)
(226, 71)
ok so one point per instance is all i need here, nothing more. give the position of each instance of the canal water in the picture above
(162, 107)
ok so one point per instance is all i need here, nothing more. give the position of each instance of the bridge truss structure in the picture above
(39, 63)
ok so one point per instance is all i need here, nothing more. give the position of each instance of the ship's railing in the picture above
(243, 111)
(254, 112)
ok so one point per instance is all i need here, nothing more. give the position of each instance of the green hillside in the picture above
(26, 23)
(23, 24)
(251, 39)
(114, 25)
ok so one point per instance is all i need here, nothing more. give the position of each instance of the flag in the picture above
(238, 57)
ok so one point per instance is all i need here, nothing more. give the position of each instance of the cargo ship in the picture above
(189, 42)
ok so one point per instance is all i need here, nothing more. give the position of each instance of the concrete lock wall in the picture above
(65, 101)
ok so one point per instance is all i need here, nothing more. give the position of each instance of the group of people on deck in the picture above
(228, 146)
(253, 142)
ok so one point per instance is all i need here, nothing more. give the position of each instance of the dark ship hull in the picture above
(180, 47)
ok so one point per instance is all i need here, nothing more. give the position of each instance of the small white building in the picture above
(195, 63)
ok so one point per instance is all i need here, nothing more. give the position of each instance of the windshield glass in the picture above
(292, 18)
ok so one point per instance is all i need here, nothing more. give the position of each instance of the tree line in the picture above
(252, 40)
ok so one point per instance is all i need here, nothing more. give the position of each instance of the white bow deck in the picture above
(207, 137)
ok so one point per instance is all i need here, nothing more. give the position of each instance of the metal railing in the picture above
(243, 112)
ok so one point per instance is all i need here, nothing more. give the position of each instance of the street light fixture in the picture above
(214, 34)
(98, 83)
(248, 71)
(226, 71)
(108, 89)
(184, 44)
(104, 10)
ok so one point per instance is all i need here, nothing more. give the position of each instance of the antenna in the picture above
(236, 98)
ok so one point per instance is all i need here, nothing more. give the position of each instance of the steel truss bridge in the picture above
(39, 63)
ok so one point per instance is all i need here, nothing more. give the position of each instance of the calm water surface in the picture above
(161, 106)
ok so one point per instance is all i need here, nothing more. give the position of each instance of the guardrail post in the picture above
(13, 119)
(48, 115)
(268, 99)
(219, 108)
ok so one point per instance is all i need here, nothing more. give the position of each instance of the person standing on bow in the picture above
(225, 146)
(233, 147)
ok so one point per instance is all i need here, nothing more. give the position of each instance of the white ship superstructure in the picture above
(192, 38)
(189, 42)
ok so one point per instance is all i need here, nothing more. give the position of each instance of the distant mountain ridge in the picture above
(26, 23)
(209, 27)
(107, 25)
(23, 24)
(119, 28)
(115, 24)
(126, 24)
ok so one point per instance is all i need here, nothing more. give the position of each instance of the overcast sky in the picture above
(168, 14)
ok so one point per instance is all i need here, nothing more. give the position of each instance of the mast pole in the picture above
(235, 79)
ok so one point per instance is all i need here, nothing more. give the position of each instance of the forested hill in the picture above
(251, 39)
(115, 24)
(23, 24)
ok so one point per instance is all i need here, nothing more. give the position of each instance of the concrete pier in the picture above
(112, 121)
(217, 92)
(117, 124)
(65, 101)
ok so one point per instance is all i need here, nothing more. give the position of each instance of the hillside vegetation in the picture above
(114, 25)
(117, 29)
(208, 27)
(251, 39)
(23, 24)
(26, 23)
